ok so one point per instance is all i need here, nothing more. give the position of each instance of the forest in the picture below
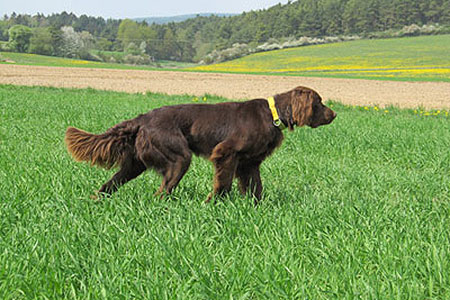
(209, 37)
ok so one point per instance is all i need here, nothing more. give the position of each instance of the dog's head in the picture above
(306, 108)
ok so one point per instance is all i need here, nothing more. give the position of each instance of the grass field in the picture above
(424, 58)
(53, 61)
(359, 209)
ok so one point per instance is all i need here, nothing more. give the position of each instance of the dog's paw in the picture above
(99, 196)
(208, 199)
(160, 195)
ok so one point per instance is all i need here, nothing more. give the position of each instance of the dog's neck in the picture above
(275, 117)
(283, 108)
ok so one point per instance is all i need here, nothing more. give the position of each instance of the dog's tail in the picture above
(106, 150)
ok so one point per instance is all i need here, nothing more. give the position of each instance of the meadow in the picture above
(53, 61)
(423, 58)
(359, 209)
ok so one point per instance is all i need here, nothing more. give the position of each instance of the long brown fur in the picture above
(105, 150)
(235, 136)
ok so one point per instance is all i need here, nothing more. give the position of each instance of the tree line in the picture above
(193, 39)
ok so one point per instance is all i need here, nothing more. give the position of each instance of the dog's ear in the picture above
(302, 107)
(290, 120)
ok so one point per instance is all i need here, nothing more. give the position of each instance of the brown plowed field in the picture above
(233, 86)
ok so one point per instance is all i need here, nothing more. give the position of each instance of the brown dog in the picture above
(235, 136)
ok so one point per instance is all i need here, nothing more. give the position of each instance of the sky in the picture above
(119, 9)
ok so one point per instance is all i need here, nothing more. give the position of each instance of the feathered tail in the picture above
(106, 150)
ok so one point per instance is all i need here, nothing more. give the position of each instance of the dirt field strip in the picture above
(234, 86)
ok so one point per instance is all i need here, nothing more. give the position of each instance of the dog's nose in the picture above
(334, 114)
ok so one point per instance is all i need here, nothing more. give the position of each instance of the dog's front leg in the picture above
(225, 163)
(250, 178)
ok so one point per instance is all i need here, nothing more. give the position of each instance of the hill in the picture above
(179, 18)
(412, 58)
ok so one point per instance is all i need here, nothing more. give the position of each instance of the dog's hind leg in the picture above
(168, 153)
(174, 172)
(129, 169)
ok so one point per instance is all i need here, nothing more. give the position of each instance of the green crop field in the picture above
(53, 61)
(424, 58)
(359, 209)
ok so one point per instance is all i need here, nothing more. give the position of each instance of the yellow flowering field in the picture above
(425, 58)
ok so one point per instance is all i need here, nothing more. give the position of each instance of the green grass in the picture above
(359, 209)
(53, 61)
(424, 58)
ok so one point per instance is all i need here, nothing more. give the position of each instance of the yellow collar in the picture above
(276, 119)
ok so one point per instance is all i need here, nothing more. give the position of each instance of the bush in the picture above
(413, 30)
(121, 57)
(238, 50)
(410, 30)
(133, 49)
(142, 59)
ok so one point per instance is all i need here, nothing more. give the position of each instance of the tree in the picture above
(74, 44)
(330, 23)
(57, 39)
(19, 38)
(149, 36)
(104, 44)
(170, 45)
(434, 11)
(311, 18)
(446, 12)
(3, 30)
(129, 32)
(353, 18)
(41, 42)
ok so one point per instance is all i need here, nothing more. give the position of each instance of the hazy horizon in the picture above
(134, 8)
